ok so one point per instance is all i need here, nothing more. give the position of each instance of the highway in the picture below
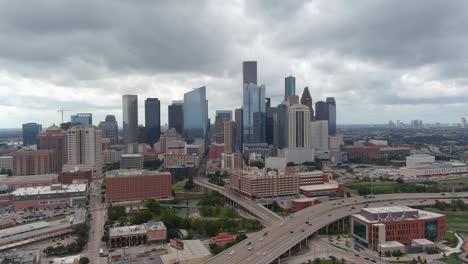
(267, 217)
(273, 241)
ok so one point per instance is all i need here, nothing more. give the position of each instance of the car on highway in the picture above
(249, 248)
(291, 231)
(249, 243)
(260, 239)
(232, 252)
(265, 234)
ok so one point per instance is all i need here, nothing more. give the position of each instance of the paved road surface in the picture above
(283, 235)
(98, 218)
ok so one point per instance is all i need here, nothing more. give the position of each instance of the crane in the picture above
(61, 110)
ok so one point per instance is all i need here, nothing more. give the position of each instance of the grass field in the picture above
(459, 181)
(457, 221)
(179, 186)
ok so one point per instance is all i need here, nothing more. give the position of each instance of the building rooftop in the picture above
(437, 165)
(393, 213)
(389, 209)
(317, 187)
(136, 229)
(51, 189)
(422, 241)
(193, 250)
(131, 155)
(133, 172)
(4, 233)
(305, 199)
(5, 179)
(391, 244)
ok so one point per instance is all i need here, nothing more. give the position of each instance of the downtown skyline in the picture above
(364, 55)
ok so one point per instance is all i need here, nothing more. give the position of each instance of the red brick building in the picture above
(215, 151)
(371, 152)
(67, 177)
(36, 162)
(331, 189)
(137, 185)
(376, 226)
(301, 203)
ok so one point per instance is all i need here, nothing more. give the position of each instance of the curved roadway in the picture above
(285, 234)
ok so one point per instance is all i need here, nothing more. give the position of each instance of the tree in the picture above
(400, 181)
(153, 206)
(84, 260)
(189, 185)
(141, 217)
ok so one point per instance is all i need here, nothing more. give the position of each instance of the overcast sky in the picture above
(381, 60)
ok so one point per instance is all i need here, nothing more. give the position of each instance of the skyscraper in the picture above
(229, 136)
(85, 147)
(176, 116)
(239, 134)
(254, 114)
(82, 118)
(249, 72)
(221, 117)
(306, 99)
(327, 111)
(54, 138)
(195, 114)
(319, 134)
(110, 129)
(269, 127)
(130, 118)
(321, 110)
(289, 86)
(298, 126)
(152, 120)
(280, 126)
(30, 132)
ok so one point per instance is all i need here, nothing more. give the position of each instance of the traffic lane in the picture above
(429, 201)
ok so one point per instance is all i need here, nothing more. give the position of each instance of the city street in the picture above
(98, 217)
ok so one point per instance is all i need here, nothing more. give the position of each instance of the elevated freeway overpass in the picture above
(276, 241)
(267, 217)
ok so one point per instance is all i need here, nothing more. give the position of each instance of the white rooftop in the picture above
(50, 189)
(23, 229)
(391, 244)
(131, 155)
(317, 187)
(136, 229)
(422, 241)
(133, 172)
(389, 209)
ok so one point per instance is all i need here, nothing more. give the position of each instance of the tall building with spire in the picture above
(306, 99)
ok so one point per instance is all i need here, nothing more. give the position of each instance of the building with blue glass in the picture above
(30, 132)
(152, 120)
(289, 86)
(254, 113)
(82, 118)
(195, 114)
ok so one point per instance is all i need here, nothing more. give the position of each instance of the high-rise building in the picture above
(463, 122)
(319, 134)
(254, 113)
(36, 162)
(280, 122)
(222, 116)
(82, 118)
(176, 116)
(249, 72)
(110, 129)
(298, 126)
(239, 134)
(196, 114)
(331, 104)
(306, 99)
(230, 136)
(269, 126)
(30, 132)
(130, 118)
(85, 147)
(152, 120)
(289, 86)
(327, 111)
(54, 138)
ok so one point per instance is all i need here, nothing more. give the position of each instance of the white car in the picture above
(231, 253)
(249, 248)
(260, 239)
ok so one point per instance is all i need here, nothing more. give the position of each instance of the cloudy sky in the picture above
(381, 60)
